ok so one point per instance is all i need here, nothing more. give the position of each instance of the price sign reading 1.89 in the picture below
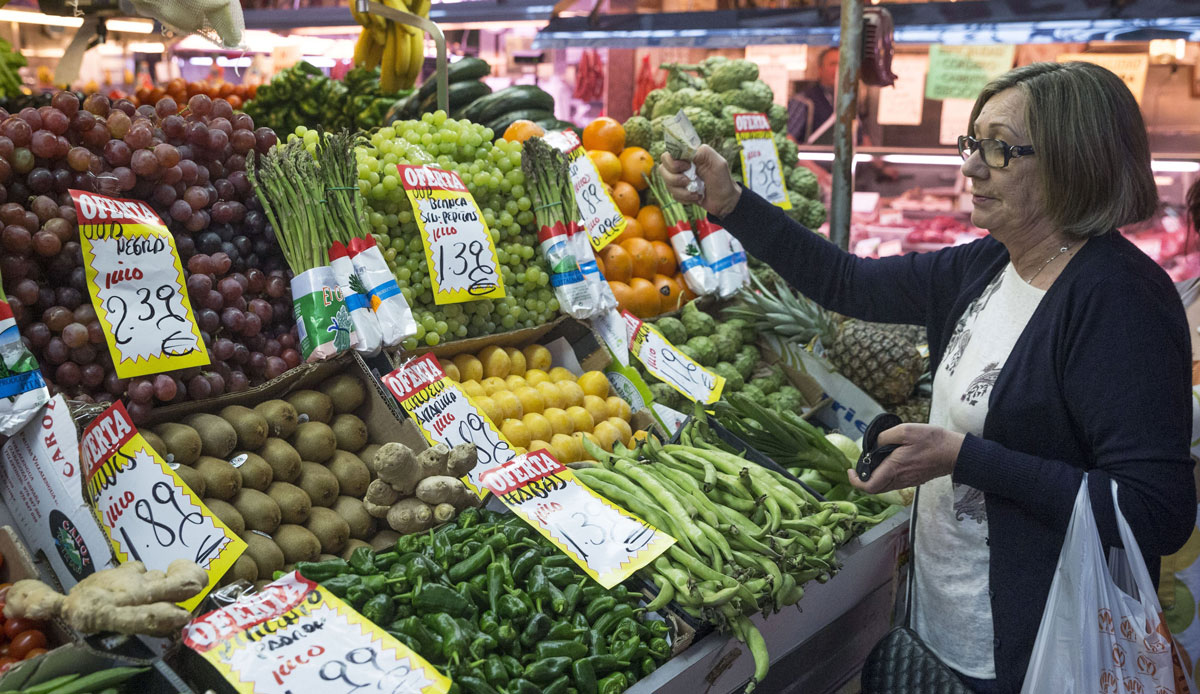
(463, 265)
(606, 541)
(137, 286)
(601, 216)
(670, 365)
(761, 169)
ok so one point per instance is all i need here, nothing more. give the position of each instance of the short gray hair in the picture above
(1090, 142)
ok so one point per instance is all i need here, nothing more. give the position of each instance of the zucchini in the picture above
(515, 98)
(404, 109)
(554, 124)
(458, 95)
(460, 71)
(500, 124)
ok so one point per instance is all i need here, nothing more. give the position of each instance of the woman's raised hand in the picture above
(721, 193)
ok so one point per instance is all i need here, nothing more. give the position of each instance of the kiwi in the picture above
(362, 525)
(283, 459)
(345, 391)
(385, 540)
(367, 455)
(350, 431)
(260, 511)
(317, 406)
(193, 479)
(281, 417)
(352, 474)
(221, 480)
(297, 542)
(318, 483)
(244, 569)
(217, 437)
(261, 584)
(251, 427)
(256, 473)
(155, 442)
(351, 545)
(228, 515)
(180, 442)
(294, 504)
(265, 553)
(314, 441)
(330, 528)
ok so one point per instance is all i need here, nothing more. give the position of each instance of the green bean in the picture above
(666, 592)
(716, 539)
(664, 497)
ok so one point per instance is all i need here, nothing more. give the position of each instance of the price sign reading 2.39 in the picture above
(670, 365)
(146, 510)
(137, 286)
(463, 265)
(446, 415)
(761, 168)
(607, 542)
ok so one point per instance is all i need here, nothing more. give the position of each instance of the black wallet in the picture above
(873, 454)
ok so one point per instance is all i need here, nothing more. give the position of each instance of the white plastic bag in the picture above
(1095, 637)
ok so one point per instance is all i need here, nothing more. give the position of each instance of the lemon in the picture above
(606, 435)
(516, 432)
(517, 359)
(509, 404)
(560, 373)
(566, 448)
(515, 382)
(540, 445)
(472, 388)
(560, 422)
(469, 368)
(494, 385)
(596, 407)
(539, 427)
(537, 357)
(580, 419)
(536, 376)
(531, 399)
(623, 427)
(489, 407)
(451, 371)
(551, 395)
(618, 407)
(594, 383)
(495, 362)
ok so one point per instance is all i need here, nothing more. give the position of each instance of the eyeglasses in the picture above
(996, 153)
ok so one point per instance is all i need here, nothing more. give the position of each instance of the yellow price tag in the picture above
(605, 540)
(137, 286)
(447, 415)
(671, 366)
(761, 168)
(295, 636)
(463, 265)
(148, 513)
(601, 216)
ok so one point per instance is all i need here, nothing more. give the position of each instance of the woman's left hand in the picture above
(924, 452)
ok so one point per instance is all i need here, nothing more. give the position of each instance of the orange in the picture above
(633, 230)
(636, 164)
(627, 199)
(666, 258)
(618, 264)
(669, 293)
(600, 264)
(604, 133)
(688, 294)
(643, 257)
(522, 130)
(623, 295)
(653, 223)
(607, 164)
(644, 298)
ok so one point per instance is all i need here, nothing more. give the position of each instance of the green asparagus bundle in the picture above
(287, 183)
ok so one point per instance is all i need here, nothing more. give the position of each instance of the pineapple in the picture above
(915, 410)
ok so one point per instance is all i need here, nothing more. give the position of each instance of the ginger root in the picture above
(379, 498)
(126, 599)
(396, 465)
(432, 461)
(462, 459)
(409, 516)
(442, 489)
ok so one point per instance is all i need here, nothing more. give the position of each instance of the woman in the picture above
(1058, 348)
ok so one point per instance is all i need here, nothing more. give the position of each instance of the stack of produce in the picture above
(396, 50)
(236, 94)
(414, 492)
(748, 538)
(465, 85)
(540, 406)
(496, 607)
(493, 176)
(719, 89)
(522, 102)
(190, 169)
(303, 96)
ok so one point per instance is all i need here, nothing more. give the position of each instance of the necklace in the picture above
(1052, 258)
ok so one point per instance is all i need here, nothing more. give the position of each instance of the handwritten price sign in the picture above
(447, 415)
(137, 286)
(463, 265)
(148, 513)
(761, 168)
(294, 636)
(671, 366)
(605, 540)
(601, 216)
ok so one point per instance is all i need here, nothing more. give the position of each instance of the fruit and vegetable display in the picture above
(413, 492)
(302, 95)
(10, 60)
(397, 50)
(112, 680)
(238, 95)
(497, 608)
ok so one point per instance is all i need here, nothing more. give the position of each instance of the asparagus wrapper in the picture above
(22, 389)
(696, 272)
(716, 244)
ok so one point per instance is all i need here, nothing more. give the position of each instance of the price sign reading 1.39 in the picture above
(446, 415)
(601, 216)
(463, 265)
(670, 365)
(137, 286)
(761, 169)
(146, 510)
(607, 542)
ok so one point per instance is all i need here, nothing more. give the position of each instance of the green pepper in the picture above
(524, 563)
(512, 665)
(619, 614)
(607, 622)
(557, 560)
(462, 551)
(508, 635)
(659, 649)
(604, 664)
(648, 666)
(553, 649)
(572, 593)
(625, 650)
(488, 623)
(454, 642)
(472, 565)
(597, 645)
(561, 630)
(321, 571)
(474, 597)
(536, 583)
(547, 669)
(580, 622)
(434, 597)
(481, 645)
(407, 543)
(496, 573)
(467, 518)
(494, 670)
(658, 627)
(475, 685)
(384, 561)
(376, 583)
(441, 547)
(600, 606)
(403, 609)
(398, 571)
(521, 685)
(512, 607)
(584, 677)
(558, 601)
(362, 561)
(414, 628)
(592, 592)
(358, 594)
(379, 609)
(613, 684)
(515, 533)
(626, 628)
(536, 630)
(560, 576)
(413, 644)
(341, 585)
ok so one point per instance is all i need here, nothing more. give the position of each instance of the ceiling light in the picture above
(39, 18)
(130, 26)
(944, 160)
(1175, 166)
(148, 47)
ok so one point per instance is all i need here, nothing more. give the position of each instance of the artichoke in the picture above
(675, 101)
(728, 340)
(706, 124)
(657, 148)
(789, 154)
(733, 380)
(651, 101)
(672, 329)
(804, 182)
(778, 115)
(710, 101)
(638, 132)
(708, 65)
(664, 394)
(755, 96)
(730, 74)
(678, 77)
(697, 322)
(814, 214)
(703, 350)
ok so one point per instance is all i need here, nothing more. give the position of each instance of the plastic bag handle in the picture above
(1133, 554)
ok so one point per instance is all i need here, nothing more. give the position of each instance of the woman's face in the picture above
(1008, 199)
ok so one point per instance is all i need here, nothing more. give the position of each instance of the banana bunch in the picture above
(398, 50)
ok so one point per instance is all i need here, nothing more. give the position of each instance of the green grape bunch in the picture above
(492, 174)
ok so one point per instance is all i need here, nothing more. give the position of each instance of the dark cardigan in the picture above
(1099, 381)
